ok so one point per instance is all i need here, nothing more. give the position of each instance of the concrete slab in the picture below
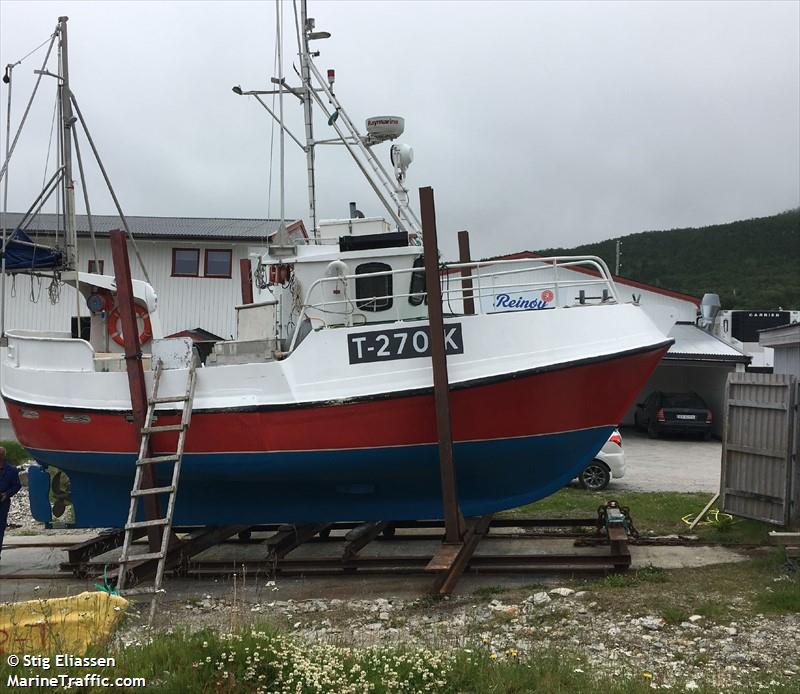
(669, 464)
(23, 571)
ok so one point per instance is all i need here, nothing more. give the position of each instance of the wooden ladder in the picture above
(137, 491)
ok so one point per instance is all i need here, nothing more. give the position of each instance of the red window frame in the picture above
(99, 263)
(230, 263)
(196, 273)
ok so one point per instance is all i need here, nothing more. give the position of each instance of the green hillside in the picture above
(754, 263)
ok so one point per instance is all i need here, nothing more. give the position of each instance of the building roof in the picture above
(218, 228)
(694, 344)
(780, 335)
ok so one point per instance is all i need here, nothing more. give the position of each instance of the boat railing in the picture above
(331, 301)
(48, 351)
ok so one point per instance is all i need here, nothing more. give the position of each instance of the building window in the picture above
(185, 262)
(96, 266)
(218, 263)
(373, 293)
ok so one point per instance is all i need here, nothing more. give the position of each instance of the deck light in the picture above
(237, 90)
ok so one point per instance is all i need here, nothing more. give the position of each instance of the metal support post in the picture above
(452, 514)
(466, 273)
(133, 365)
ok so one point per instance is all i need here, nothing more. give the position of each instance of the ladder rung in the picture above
(167, 398)
(142, 557)
(153, 490)
(146, 524)
(158, 459)
(166, 427)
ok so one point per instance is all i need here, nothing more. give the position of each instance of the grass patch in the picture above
(783, 597)
(627, 579)
(674, 615)
(261, 660)
(658, 512)
(715, 610)
(15, 453)
(489, 591)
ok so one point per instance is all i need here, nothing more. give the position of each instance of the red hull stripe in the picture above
(576, 397)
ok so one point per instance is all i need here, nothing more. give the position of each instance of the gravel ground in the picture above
(669, 464)
(19, 515)
(724, 655)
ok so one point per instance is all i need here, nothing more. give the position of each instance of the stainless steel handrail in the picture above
(594, 266)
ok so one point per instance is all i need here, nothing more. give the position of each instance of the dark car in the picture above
(679, 413)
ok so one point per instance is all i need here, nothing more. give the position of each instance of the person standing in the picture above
(9, 485)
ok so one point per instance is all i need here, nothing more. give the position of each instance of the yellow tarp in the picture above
(59, 625)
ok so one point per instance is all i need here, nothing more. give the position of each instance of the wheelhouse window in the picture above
(417, 290)
(96, 266)
(218, 263)
(185, 262)
(373, 293)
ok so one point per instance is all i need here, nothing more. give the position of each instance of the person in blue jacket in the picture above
(9, 485)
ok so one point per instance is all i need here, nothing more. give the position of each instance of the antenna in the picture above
(389, 189)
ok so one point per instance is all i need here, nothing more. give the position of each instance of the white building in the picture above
(193, 264)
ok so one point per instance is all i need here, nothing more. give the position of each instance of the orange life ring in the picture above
(115, 327)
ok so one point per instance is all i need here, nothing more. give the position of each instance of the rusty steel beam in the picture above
(466, 273)
(246, 279)
(454, 529)
(444, 583)
(133, 365)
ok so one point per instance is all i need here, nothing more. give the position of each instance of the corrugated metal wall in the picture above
(759, 448)
(184, 302)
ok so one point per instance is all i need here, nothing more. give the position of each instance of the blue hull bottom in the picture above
(400, 483)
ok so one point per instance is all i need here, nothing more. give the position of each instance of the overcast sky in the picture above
(537, 124)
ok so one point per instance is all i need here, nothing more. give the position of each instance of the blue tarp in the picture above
(20, 256)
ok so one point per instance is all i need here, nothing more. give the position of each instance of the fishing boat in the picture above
(322, 408)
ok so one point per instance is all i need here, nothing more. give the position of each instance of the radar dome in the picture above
(382, 128)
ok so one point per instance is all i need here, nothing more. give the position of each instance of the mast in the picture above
(279, 22)
(68, 121)
(70, 233)
(306, 26)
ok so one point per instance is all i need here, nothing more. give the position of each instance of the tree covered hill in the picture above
(753, 263)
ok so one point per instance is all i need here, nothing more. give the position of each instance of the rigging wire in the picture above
(35, 296)
(110, 187)
(271, 144)
(85, 197)
(54, 288)
(297, 29)
(29, 53)
(9, 150)
(50, 142)
(4, 168)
